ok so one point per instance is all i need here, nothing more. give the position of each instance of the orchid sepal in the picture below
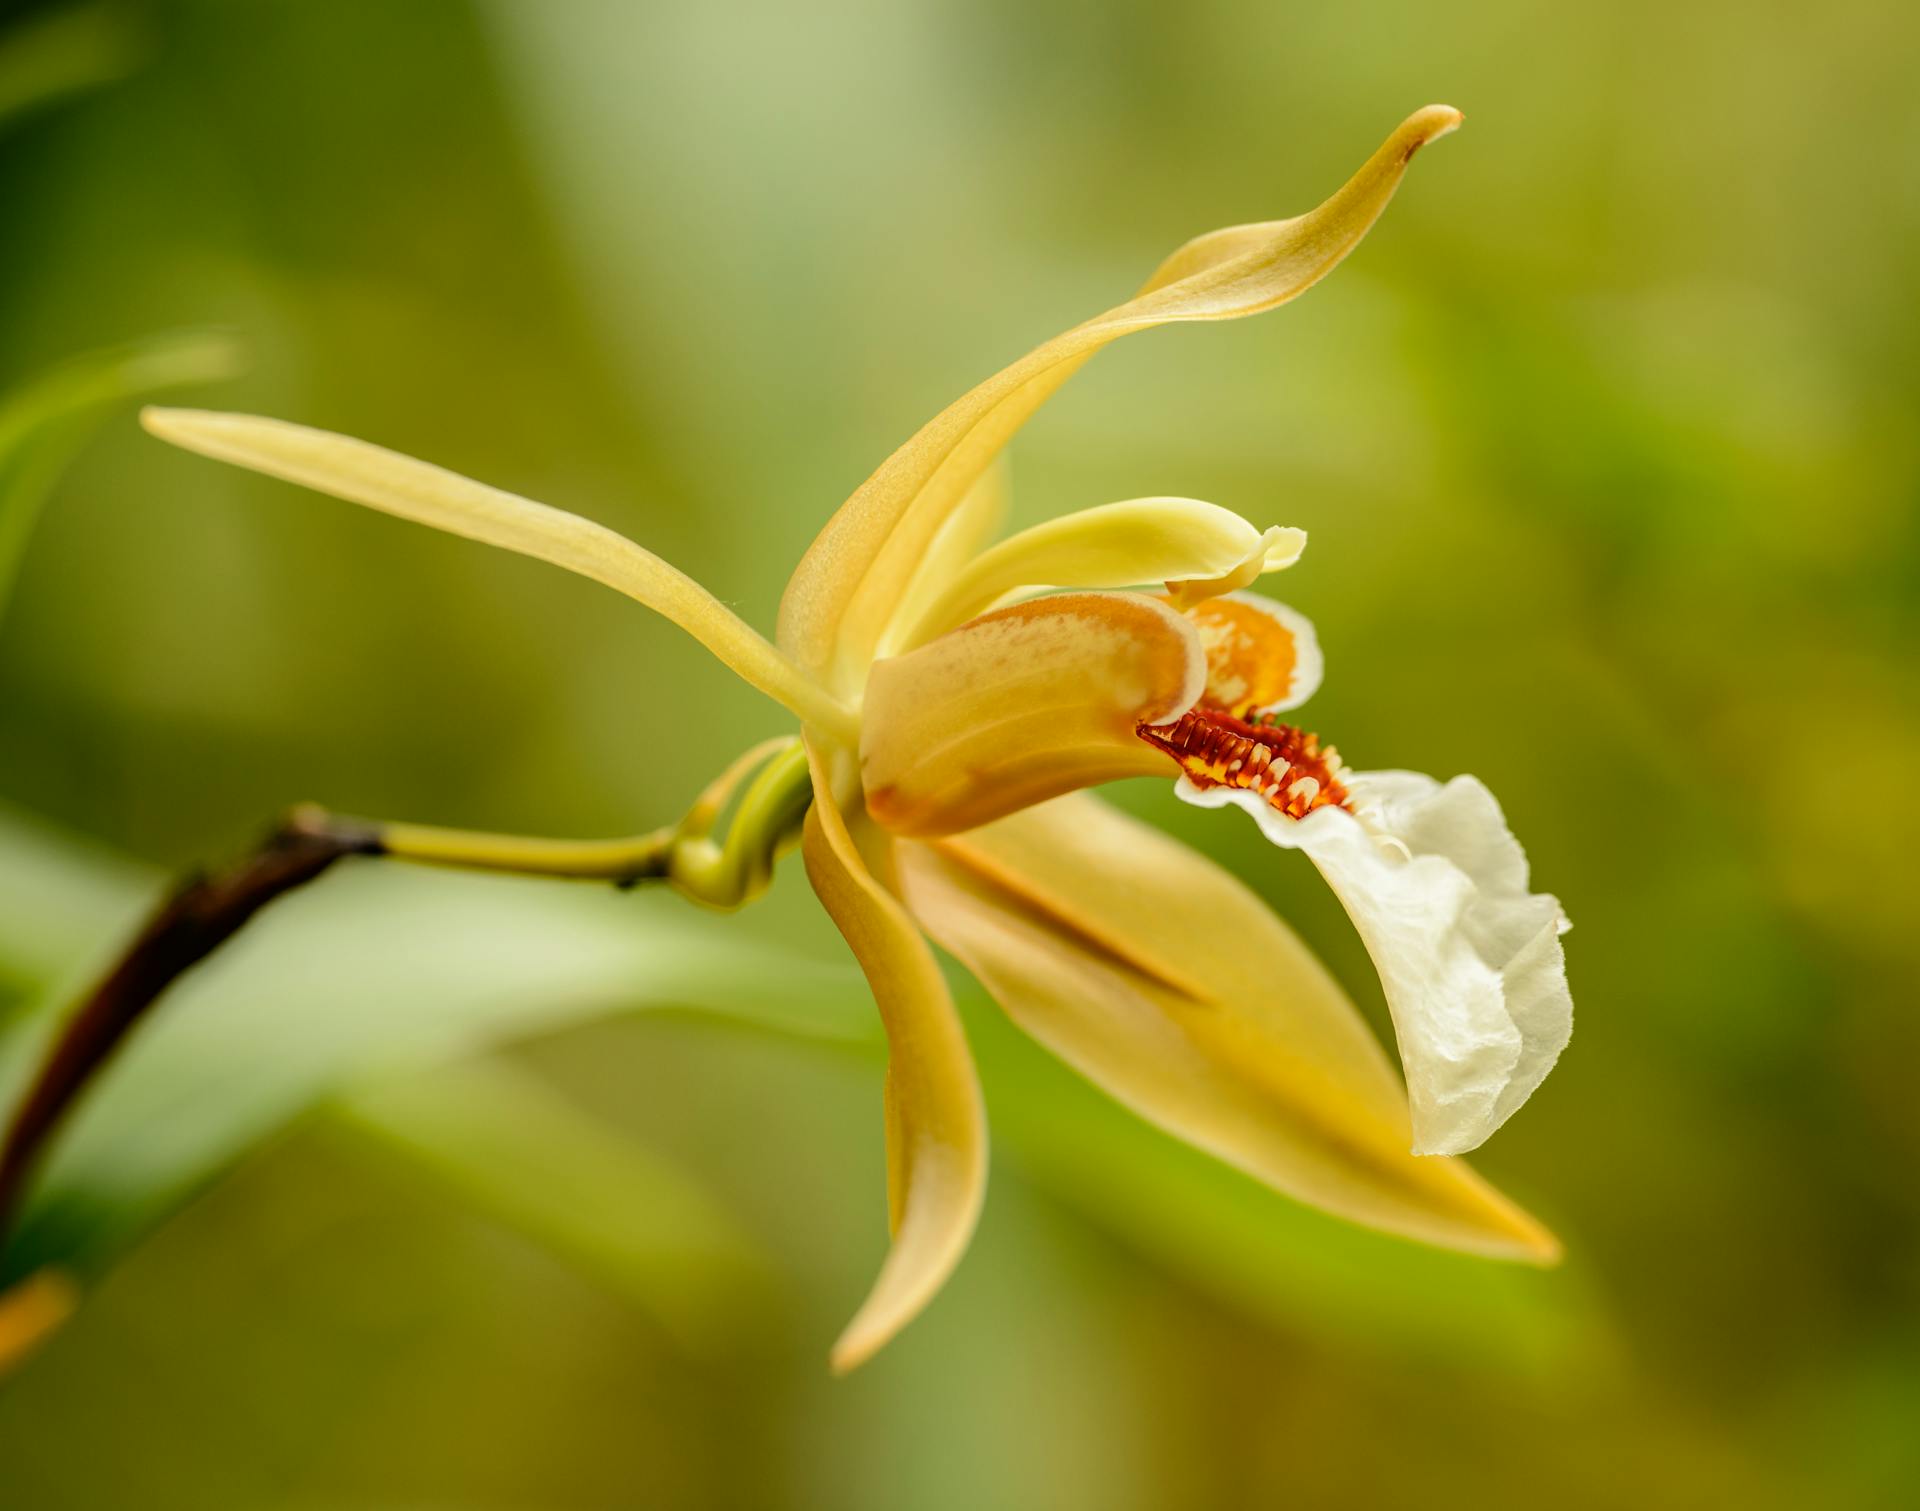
(848, 586)
(392, 483)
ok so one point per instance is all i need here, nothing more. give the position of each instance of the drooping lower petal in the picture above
(1205, 549)
(1022, 705)
(1470, 960)
(1171, 986)
(936, 1127)
(400, 485)
(847, 587)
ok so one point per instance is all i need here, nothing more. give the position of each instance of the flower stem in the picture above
(199, 916)
(204, 912)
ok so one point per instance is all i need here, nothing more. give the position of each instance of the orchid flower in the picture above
(956, 696)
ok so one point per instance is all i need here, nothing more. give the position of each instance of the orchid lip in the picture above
(1287, 766)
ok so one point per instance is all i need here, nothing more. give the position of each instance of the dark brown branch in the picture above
(201, 914)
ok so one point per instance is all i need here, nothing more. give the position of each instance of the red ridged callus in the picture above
(1285, 765)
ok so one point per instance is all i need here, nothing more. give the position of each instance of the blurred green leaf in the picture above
(375, 971)
(1258, 1252)
(64, 53)
(60, 899)
(505, 1142)
(44, 421)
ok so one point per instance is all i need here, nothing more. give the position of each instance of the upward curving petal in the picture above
(1205, 549)
(936, 1128)
(1021, 705)
(399, 485)
(1172, 987)
(847, 586)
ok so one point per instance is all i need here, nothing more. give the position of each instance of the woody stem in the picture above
(196, 918)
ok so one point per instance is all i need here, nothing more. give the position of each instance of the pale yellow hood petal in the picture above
(1176, 990)
(1021, 705)
(1144, 541)
(847, 587)
(399, 485)
(968, 530)
(936, 1127)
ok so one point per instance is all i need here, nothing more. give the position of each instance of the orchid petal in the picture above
(1470, 960)
(1021, 705)
(1200, 546)
(974, 522)
(1262, 657)
(1168, 984)
(936, 1126)
(399, 485)
(1278, 548)
(848, 585)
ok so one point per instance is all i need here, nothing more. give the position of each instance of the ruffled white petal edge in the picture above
(1470, 960)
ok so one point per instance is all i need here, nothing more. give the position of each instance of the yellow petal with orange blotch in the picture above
(1021, 705)
(847, 587)
(1171, 986)
(936, 1127)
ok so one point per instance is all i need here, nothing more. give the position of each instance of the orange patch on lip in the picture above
(1251, 656)
(1285, 765)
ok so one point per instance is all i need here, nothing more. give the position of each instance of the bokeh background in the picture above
(1606, 444)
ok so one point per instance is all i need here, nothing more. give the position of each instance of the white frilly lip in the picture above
(1470, 959)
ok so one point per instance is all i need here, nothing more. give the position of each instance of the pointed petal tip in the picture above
(1516, 1235)
(1427, 124)
(177, 426)
(859, 1343)
(1532, 1244)
(1547, 1251)
(1508, 1231)
(926, 1248)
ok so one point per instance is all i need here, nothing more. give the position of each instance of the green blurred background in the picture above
(1605, 441)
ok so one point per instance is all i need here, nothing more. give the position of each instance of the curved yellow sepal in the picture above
(936, 1126)
(1171, 986)
(362, 473)
(1021, 705)
(847, 587)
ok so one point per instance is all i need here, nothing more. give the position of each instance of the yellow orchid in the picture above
(956, 695)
